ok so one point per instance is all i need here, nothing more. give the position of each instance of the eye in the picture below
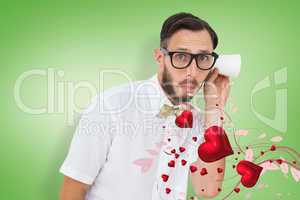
(203, 57)
(181, 56)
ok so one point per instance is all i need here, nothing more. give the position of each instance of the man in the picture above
(120, 147)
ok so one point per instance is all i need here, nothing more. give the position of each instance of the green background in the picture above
(84, 37)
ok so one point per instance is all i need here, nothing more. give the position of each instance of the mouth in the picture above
(188, 86)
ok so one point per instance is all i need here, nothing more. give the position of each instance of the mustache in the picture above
(189, 81)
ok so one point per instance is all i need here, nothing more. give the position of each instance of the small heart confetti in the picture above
(168, 190)
(237, 190)
(171, 163)
(203, 172)
(279, 161)
(273, 148)
(193, 168)
(181, 149)
(194, 139)
(219, 170)
(165, 177)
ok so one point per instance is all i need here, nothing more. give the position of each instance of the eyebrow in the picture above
(185, 49)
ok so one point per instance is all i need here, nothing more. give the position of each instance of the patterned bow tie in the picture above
(184, 116)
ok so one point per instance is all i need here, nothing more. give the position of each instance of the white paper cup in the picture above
(229, 65)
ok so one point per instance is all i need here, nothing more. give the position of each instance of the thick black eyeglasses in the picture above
(181, 60)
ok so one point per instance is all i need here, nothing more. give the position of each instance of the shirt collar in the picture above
(157, 97)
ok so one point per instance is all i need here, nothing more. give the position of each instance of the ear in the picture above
(158, 56)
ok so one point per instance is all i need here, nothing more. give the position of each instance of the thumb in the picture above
(212, 75)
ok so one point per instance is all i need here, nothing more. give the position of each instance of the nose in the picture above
(192, 68)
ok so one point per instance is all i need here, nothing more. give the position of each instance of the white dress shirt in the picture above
(121, 148)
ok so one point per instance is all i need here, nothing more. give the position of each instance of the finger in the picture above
(214, 74)
(209, 75)
(225, 81)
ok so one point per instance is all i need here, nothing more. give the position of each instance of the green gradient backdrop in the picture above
(82, 38)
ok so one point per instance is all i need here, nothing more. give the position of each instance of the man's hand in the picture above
(73, 190)
(216, 92)
(216, 89)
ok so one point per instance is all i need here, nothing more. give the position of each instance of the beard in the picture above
(169, 88)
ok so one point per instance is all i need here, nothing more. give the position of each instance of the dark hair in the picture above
(188, 21)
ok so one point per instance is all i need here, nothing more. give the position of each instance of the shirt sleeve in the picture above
(89, 146)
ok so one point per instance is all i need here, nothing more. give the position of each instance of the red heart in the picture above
(194, 138)
(279, 161)
(183, 162)
(237, 190)
(193, 168)
(171, 163)
(273, 148)
(168, 190)
(185, 119)
(220, 170)
(203, 172)
(165, 177)
(181, 149)
(249, 171)
(216, 145)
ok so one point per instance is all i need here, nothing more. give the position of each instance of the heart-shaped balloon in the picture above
(185, 119)
(249, 171)
(216, 145)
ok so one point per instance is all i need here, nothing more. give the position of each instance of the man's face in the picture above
(182, 84)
